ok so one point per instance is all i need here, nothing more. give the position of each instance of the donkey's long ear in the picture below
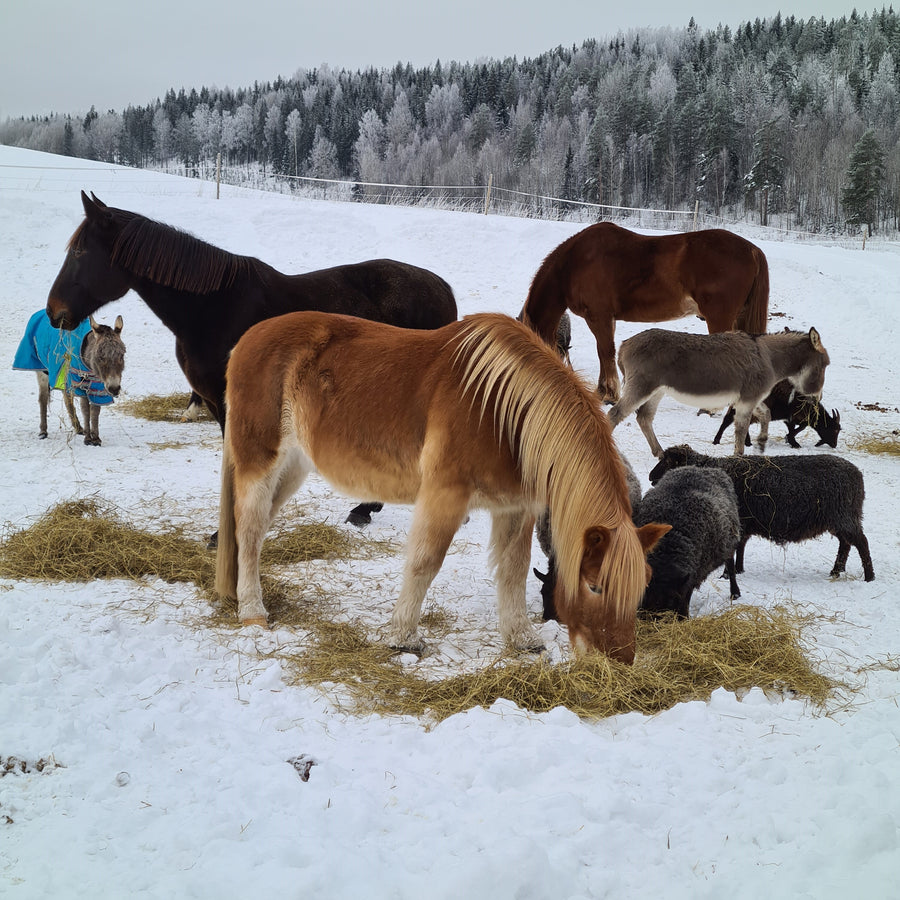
(816, 340)
(118, 326)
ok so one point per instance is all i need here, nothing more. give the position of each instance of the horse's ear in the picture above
(118, 326)
(816, 340)
(98, 201)
(94, 209)
(650, 534)
(596, 538)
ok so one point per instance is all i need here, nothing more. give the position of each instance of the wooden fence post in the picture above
(218, 172)
(487, 193)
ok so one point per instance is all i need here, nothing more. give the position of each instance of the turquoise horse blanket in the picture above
(57, 352)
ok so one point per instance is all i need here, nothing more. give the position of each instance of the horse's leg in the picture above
(362, 514)
(73, 416)
(511, 534)
(256, 499)
(437, 516)
(645, 415)
(43, 380)
(604, 331)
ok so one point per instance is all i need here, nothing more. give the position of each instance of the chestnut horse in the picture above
(605, 272)
(208, 297)
(479, 413)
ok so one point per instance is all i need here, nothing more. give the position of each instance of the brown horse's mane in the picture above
(168, 256)
(562, 443)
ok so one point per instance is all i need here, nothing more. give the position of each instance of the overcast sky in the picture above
(65, 56)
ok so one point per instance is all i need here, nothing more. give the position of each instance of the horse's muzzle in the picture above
(58, 319)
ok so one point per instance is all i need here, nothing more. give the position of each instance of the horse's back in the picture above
(383, 290)
(356, 393)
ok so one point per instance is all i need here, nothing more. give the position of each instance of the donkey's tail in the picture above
(226, 554)
(754, 316)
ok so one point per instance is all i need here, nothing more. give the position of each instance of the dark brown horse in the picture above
(208, 297)
(604, 273)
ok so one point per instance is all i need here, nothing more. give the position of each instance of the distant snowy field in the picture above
(172, 739)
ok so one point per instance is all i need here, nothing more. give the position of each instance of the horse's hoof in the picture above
(42, 436)
(360, 520)
(262, 621)
(212, 541)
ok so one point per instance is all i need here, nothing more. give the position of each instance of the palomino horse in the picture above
(713, 370)
(86, 363)
(604, 273)
(479, 413)
(209, 297)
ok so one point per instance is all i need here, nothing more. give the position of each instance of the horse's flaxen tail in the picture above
(754, 315)
(226, 554)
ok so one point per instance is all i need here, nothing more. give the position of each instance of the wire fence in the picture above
(482, 199)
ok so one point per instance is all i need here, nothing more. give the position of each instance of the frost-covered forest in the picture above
(783, 116)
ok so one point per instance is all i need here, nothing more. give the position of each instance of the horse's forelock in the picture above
(77, 238)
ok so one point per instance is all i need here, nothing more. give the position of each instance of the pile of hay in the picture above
(887, 443)
(80, 540)
(677, 661)
(159, 408)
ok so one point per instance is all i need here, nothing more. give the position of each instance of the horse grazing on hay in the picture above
(479, 413)
(86, 363)
(606, 273)
(714, 370)
(208, 297)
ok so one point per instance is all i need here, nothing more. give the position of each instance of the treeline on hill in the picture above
(782, 116)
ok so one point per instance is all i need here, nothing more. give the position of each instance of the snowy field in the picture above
(171, 738)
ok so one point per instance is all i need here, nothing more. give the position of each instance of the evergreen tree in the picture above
(864, 176)
(766, 177)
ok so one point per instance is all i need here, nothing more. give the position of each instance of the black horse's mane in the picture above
(170, 257)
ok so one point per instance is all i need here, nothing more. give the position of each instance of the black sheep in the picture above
(788, 499)
(701, 506)
(797, 411)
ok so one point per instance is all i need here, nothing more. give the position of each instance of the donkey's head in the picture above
(104, 354)
(810, 380)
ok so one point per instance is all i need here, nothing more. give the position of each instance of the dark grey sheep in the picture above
(788, 499)
(542, 527)
(701, 507)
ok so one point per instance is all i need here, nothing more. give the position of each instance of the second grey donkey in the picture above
(711, 371)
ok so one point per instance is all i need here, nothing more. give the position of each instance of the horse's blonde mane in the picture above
(562, 443)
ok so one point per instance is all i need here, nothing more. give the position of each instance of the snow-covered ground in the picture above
(172, 738)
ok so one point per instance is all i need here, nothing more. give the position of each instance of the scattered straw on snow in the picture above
(676, 661)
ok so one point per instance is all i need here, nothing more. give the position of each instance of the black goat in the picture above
(701, 506)
(548, 581)
(788, 499)
(798, 412)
